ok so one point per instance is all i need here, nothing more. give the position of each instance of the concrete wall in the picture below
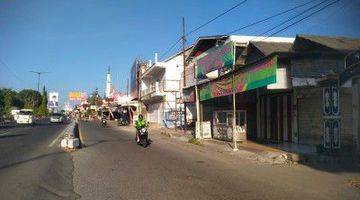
(310, 123)
(310, 117)
(174, 68)
(346, 138)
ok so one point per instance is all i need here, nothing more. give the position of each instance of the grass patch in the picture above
(195, 141)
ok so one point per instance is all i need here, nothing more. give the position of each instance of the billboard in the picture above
(216, 58)
(53, 99)
(77, 96)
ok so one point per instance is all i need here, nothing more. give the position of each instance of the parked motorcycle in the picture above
(103, 122)
(143, 137)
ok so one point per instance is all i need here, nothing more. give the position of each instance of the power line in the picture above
(293, 17)
(201, 26)
(38, 80)
(170, 48)
(216, 17)
(270, 17)
(311, 14)
(9, 69)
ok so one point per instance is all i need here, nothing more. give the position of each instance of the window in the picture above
(240, 118)
(221, 117)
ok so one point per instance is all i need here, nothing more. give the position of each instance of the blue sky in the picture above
(77, 40)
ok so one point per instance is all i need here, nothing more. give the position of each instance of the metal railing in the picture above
(163, 86)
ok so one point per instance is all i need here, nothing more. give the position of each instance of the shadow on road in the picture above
(11, 136)
(30, 159)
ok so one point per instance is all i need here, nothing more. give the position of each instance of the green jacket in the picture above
(139, 124)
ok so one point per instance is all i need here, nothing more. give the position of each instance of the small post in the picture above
(234, 115)
(197, 128)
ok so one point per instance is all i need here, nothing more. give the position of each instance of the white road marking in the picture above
(61, 134)
(54, 141)
(7, 132)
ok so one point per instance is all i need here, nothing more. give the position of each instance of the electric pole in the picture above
(184, 68)
(38, 79)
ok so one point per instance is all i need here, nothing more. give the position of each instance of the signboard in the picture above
(77, 96)
(206, 129)
(53, 99)
(256, 76)
(216, 58)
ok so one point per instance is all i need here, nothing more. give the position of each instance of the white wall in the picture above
(174, 68)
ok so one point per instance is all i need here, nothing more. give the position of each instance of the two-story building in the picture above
(161, 86)
(277, 89)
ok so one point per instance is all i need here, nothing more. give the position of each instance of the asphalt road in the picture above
(112, 166)
(32, 166)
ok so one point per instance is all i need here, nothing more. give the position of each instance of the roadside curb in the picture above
(81, 138)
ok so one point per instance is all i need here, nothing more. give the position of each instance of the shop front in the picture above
(233, 98)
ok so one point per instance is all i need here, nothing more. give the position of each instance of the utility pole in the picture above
(38, 80)
(184, 68)
(234, 105)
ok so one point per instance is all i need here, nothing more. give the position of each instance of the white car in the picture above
(25, 117)
(57, 118)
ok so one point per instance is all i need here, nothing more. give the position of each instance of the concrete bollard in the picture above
(70, 142)
(73, 143)
(64, 143)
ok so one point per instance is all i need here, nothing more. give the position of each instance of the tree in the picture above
(31, 98)
(8, 102)
(17, 102)
(42, 110)
(94, 98)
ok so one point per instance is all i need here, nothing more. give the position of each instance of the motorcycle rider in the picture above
(139, 124)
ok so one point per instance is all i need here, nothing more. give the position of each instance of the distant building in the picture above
(108, 84)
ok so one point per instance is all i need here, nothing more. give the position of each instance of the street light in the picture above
(38, 81)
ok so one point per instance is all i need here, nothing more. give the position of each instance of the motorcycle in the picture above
(122, 122)
(103, 122)
(143, 137)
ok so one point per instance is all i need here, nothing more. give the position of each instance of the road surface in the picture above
(112, 166)
(32, 166)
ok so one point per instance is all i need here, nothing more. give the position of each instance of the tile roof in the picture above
(335, 43)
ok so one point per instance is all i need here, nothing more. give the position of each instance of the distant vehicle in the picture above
(25, 116)
(57, 118)
(15, 113)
